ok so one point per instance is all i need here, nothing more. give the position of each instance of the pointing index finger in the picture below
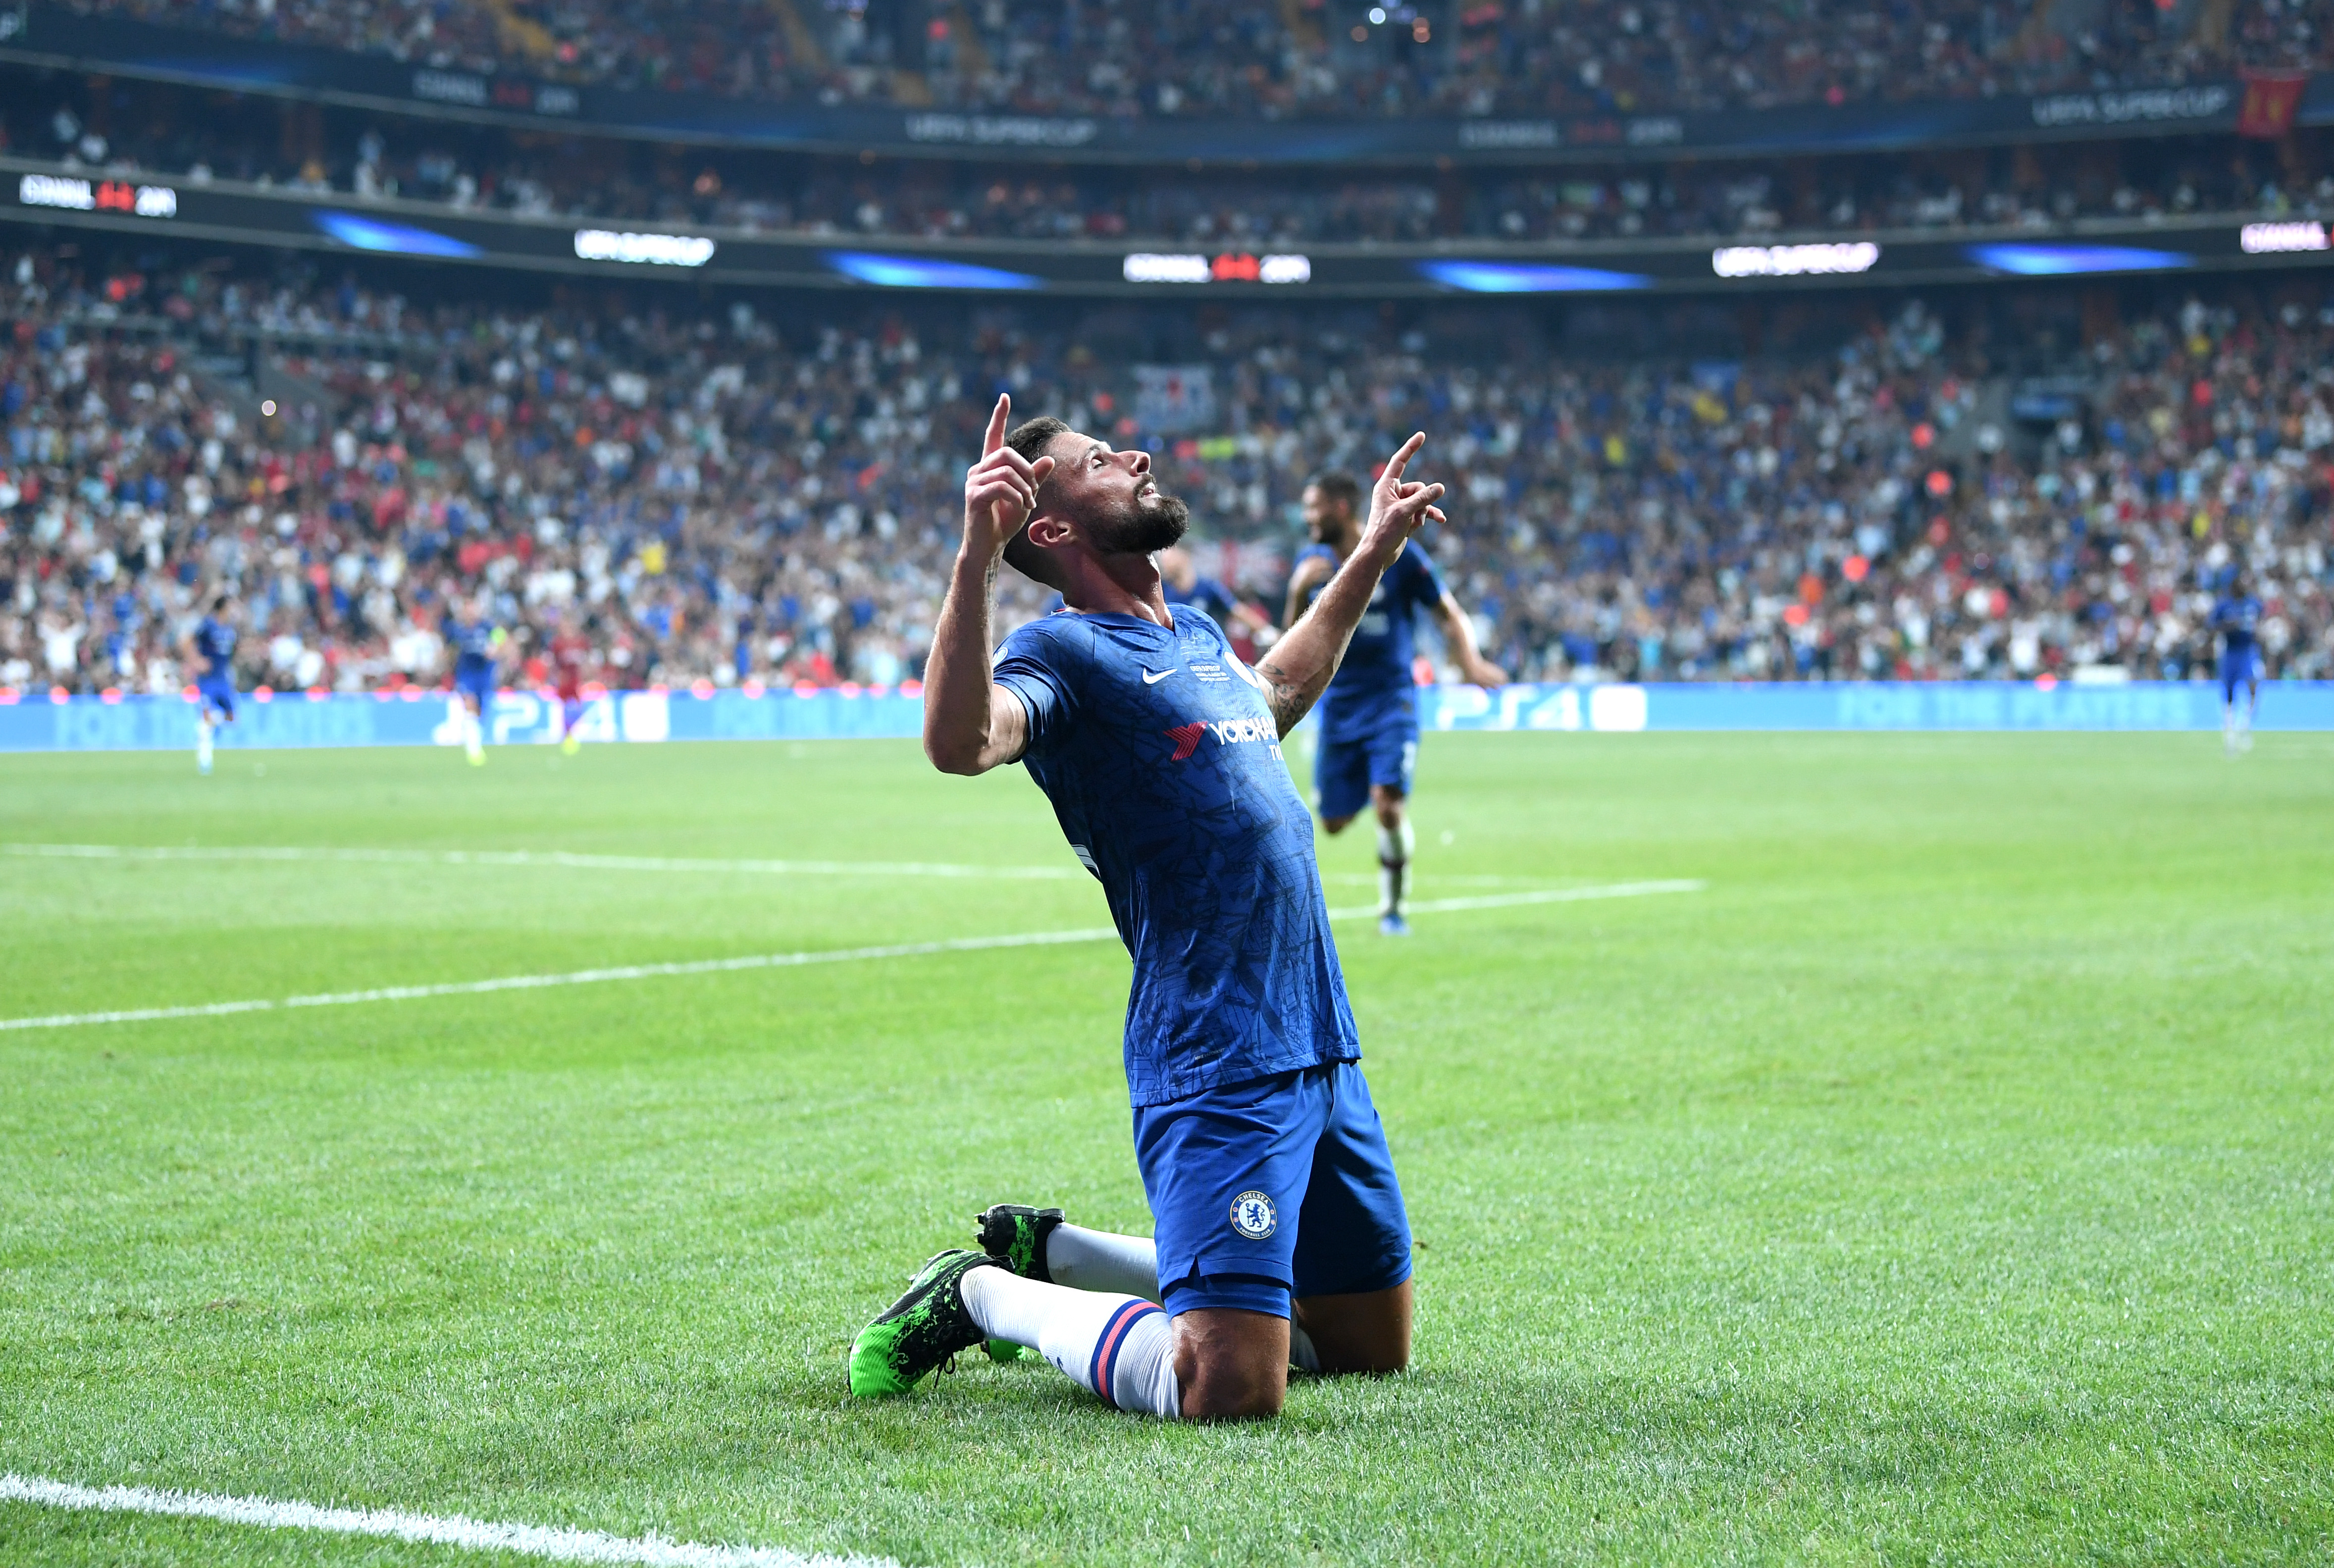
(997, 417)
(1401, 460)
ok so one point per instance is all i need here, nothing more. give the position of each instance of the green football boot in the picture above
(922, 1331)
(1014, 1235)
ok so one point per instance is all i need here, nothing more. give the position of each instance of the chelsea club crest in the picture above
(1254, 1217)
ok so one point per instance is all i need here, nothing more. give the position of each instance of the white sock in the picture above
(203, 742)
(1120, 1347)
(474, 735)
(1394, 846)
(1087, 1260)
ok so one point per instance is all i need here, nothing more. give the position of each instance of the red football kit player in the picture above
(571, 656)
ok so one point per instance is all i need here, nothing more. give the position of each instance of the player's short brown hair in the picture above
(1031, 438)
(1336, 488)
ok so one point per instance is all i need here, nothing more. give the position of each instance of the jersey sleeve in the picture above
(1421, 580)
(1031, 665)
(1313, 553)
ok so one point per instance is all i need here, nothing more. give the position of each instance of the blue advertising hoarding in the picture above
(35, 722)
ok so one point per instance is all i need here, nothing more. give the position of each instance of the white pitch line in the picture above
(792, 960)
(1544, 895)
(577, 977)
(575, 861)
(550, 1543)
(562, 858)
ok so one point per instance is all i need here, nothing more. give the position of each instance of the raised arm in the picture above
(1310, 575)
(1459, 636)
(971, 724)
(1300, 664)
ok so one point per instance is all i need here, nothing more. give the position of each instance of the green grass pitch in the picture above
(1949, 1182)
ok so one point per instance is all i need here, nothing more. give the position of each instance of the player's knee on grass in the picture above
(1364, 1332)
(1334, 824)
(1232, 1365)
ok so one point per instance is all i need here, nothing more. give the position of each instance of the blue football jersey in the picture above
(1375, 679)
(1208, 594)
(2238, 620)
(1163, 766)
(474, 642)
(215, 642)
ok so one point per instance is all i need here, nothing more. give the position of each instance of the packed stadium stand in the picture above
(1302, 57)
(1890, 401)
(155, 130)
(715, 494)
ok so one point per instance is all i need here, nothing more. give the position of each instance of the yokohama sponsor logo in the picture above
(1227, 731)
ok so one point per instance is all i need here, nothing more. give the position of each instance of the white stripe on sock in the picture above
(550, 1543)
(782, 961)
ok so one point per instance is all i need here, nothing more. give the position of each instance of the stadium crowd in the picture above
(177, 134)
(708, 496)
(1220, 57)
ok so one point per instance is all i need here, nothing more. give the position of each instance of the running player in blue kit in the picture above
(478, 647)
(2237, 618)
(1280, 1233)
(211, 645)
(1369, 717)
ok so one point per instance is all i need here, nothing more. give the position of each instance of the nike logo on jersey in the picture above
(1152, 677)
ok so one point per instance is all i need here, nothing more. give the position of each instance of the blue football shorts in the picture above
(1276, 1187)
(476, 684)
(1345, 770)
(216, 692)
(2241, 668)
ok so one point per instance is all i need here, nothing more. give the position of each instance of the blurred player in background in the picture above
(1179, 574)
(477, 648)
(571, 656)
(2237, 618)
(1369, 715)
(209, 652)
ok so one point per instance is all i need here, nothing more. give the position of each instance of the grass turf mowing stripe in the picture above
(550, 858)
(557, 1545)
(793, 959)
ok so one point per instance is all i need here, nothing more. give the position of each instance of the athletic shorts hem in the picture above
(1370, 1285)
(1239, 1293)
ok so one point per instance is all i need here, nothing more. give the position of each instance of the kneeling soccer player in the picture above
(1280, 1231)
